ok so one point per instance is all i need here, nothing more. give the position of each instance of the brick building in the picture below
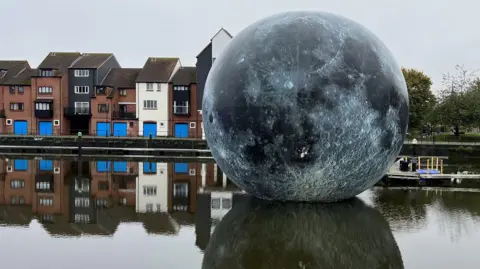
(114, 104)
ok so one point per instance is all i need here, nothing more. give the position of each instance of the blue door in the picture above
(181, 168)
(120, 129)
(20, 165)
(103, 166)
(20, 127)
(120, 167)
(181, 129)
(149, 168)
(45, 165)
(103, 128)
(149, 128)
(45, 128)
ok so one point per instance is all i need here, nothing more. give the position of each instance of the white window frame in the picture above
(45, 90)
(82, 73)
(150, 104)
(149, 87)
(82, 89)
(43, 106)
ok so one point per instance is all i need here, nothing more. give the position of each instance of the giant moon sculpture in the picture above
(305, 106)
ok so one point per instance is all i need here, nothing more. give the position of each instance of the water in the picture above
(163, 215)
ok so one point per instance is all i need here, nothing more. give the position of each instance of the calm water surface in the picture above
(188, 215)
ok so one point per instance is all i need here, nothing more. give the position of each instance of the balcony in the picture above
(125, 183)
(181, 110)
(77, 111)
(44, 108)
(2, 113)
(122, 115)
(44, 182)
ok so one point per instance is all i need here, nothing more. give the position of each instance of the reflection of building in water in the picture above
(32, 187)
(82, 197)
(152, 187)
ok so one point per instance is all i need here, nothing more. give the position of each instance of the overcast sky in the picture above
(430, 35)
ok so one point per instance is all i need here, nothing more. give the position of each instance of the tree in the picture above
(458, 106)
(421, 98)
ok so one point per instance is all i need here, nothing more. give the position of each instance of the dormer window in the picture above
(101, 91)
(81, 73)
(2, 73)
(46, 73)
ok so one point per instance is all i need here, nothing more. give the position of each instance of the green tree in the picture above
(420, 96)
(459, 102)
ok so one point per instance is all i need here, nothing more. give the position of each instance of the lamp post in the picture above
(414, 158)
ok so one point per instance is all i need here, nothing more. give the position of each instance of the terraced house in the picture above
(49, 85)
(114, 107)
(15, 95)
(152, 86)
(84, 74)
(186, 122)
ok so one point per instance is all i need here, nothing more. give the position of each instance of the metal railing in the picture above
(181, 110)
(124, 115)
(77, 111)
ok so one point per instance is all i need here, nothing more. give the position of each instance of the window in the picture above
(82, 107)
(12, 89)
(81, 73)
(149, 87)
(192, 125)
(45, 186)
(192, 172)
(82, 202)
(102, 202)
(122, 92)
(150, 104)
(150, 190)
(149, 207)
(180, 107)
(17, 200)
(16, 106)
(46, 73)
(215, 203)
(45, 90)
(82, 218)
(13, 200)
(180, 88)
(180, 208)
(226, 203)
(159, 87)
(159, 208)
(180, 190)
(42, 106)
(46, 201)
(101, 91)
(20, 89)
(47, 218)
(17, 184)
(82, 89)
(103, 108)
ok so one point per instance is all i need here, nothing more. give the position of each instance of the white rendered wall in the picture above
(219, 42)
(159, 115)
(160, 180)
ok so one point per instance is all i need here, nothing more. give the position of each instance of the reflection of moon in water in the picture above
(259, 234)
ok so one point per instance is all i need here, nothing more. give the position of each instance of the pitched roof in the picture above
(91, 60)
(13, 68)
(185, 76)
(157, 70)
(24, 77)
(121, 77)
(59, 60)
(221, 30)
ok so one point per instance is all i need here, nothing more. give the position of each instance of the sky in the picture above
(432, 36)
